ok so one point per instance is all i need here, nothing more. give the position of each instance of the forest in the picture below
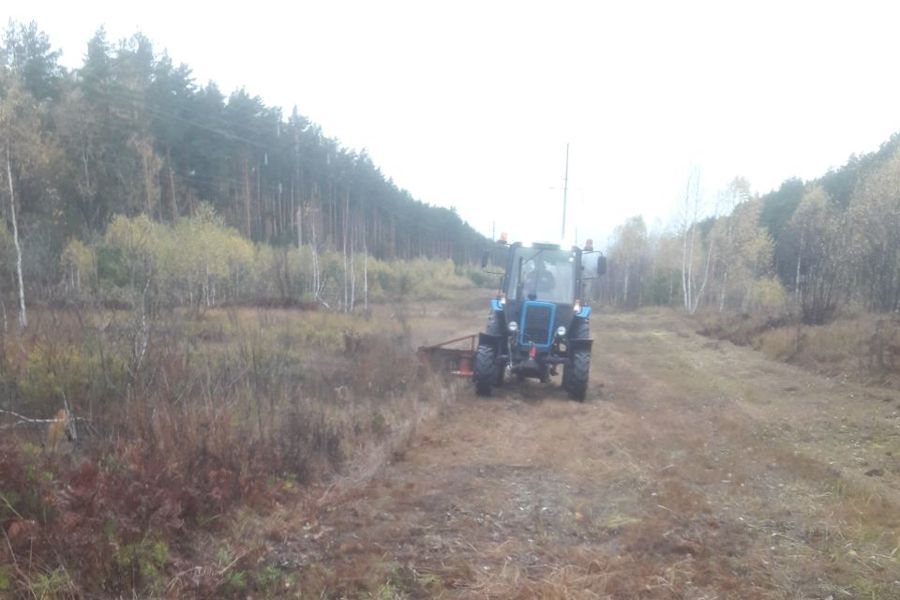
(107, 165)
(102, 162)
(813, 248)
(809, 272)
(204, 307)
(208, 315)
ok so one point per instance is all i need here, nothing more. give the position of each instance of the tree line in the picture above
(812, 247)
(131, 133)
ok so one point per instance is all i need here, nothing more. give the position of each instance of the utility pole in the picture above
(565, 193)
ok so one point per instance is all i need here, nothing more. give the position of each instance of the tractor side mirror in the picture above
(593, 264)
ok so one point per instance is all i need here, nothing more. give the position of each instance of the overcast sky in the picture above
(471, 104)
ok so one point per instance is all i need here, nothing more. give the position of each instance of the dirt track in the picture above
(696, 469)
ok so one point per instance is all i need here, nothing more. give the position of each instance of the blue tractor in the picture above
(539, 321)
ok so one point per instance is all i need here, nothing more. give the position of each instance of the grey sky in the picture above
(471, 104)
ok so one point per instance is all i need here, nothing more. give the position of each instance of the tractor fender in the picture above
(581, 333)
(486, 339)
(579, 344)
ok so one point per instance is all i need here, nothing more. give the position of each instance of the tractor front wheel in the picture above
(485, 370)
(575, 377)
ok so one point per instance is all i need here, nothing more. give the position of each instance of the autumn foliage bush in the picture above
(178, 421)
(199, 262)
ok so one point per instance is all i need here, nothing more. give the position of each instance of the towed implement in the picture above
(454, 356)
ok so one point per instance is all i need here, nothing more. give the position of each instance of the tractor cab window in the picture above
(542, 274)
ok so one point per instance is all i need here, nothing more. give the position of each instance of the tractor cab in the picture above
(544, 272)
(538, 321)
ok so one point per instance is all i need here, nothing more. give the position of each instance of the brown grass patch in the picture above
(863, 347)
(180, 420)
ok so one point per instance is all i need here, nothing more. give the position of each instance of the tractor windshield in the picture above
(542, 274)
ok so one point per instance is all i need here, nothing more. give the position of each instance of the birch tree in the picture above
(25, 156)
(874, 217)
(691, 238)
(822, 246)
(737, 192)
(629, 252)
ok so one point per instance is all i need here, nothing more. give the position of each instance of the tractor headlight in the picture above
(513, 327)
(561, 332)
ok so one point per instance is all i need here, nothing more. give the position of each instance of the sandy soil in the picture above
(695, 469)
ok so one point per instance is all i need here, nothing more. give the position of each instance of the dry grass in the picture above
(689, 479)
(725, 506)
(863, 347)
(697, 469)
(809, 448)
(181, 421)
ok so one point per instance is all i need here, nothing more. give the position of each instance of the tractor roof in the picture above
(536, 245)
(545, 246)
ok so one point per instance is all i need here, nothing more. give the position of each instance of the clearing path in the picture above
(696, 469)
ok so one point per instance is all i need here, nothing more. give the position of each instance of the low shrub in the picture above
(196, 415)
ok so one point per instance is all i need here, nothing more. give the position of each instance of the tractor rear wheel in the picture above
(485, 370)
(578, 369)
